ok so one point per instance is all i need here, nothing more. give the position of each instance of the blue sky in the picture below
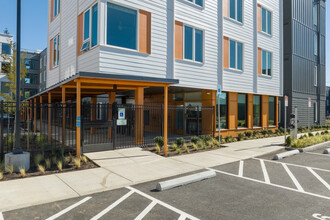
(34, 24)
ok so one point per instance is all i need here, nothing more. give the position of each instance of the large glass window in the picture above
(31, 79)
(57, 7)
(315, 75)
(315, 13)
(193, 51)
(272, 110)
(90, 28)
(266, 63)
(266, 21)
(86, 25)
(315, 45)
(30, 64)
(241, 110)
(56, 51)
(198, 2)
(94, 24)
(315, 112)
(256, 110)
(4, 87)
(6, 49)
(121, 26)
(223, 111)
(236, 10)
(236, 55)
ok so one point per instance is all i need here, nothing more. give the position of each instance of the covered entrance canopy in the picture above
(86, 84)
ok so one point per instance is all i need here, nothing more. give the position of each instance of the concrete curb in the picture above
(169, 184)
(316, 147)
(326, 151)
(286, 154)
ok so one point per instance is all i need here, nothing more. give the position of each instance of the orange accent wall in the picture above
(259, 61)
(250, 111)
(265, 110)
(232, 110)
(225, 52)
(145, 32)
(259, 17)
(178, 40)
(51, 53)
(80, 33)
(52, 10)
(208, 100)
(225, 7)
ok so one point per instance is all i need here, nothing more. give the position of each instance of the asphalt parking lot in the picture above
(259, 188)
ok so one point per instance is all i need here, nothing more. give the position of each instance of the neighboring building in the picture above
(30, 85)
(43, 70)
(304, 59)
(5, 40)
(328, 102)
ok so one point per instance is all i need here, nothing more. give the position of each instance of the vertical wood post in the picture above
(165, 118)
(35, 116)
(78, 119)
(41, 114)
(49, 116)
(139, 125)
(63, 117)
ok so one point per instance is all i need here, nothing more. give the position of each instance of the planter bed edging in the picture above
(316, 147)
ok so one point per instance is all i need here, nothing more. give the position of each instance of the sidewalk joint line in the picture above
(319, 178)
(293, 178)
(68, 185)
(117, 174)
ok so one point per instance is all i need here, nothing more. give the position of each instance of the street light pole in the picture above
(17, 148)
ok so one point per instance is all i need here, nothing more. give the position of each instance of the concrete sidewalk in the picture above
(123, 168)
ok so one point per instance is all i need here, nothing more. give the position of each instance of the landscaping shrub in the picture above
(77, 162)
(22, 171)
(178, 151)
(41, 169)
(229, 139)
(310, 134)
(300, 129)
(48, 163)
(248, 134)
(288, 141)
(195, 146)
(41, 139)
(38, 159)
(194, 139)
(216, 142)
(1, 175)
(84, 159)
(157, 148)
(317, 134)
(264, 132)
(270, 132)
(60, 166)
(174, 146)
(202, 145)
(309, 141)
(180, 141)
(159, 140)
(322, 133)
(255, 133)
(326, 132)
(186, 148)
(240, 137)
(281, 129)
(206, 138)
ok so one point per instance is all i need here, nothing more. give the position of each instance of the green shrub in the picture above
(255, 133)
(270, 132)
(9, 140)
(264, 132)
(186, 148)
(38, 159)
(288, 141)
(159, 140)
(229, 139)
(41, 139)
(317, 134)
(281, 129)
(248, 134)
(326, 132)
(194, 139)
(48, 163)
(240, 137)
(195, 146)
(180, 141)
(322, 133)
(310, 134)
(202, 144)
(178, 151)
(157, 148)
(174, 146)
(206, 138)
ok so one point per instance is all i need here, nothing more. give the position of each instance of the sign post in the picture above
(218, 96)
(286, 104)
(309, 106)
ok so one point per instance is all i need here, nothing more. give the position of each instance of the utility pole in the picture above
(17, 148)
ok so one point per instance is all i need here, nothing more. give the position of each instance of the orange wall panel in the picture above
(225, 52)
(178, 40)
(80, 33)
(208, 100)
(265, 110)
(225, 7)
(250, 111)
(259, 17)
(232, 110)
(144, 32)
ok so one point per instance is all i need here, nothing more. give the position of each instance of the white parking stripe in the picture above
(182, 217)
(271, 184)
(264, 170)
(68, 209)
(326, 155)
(1, 216)
(113, 205)
(146, 210)
(293, 178)
(162, 203)
(292, 164)
(241, 167)
(319, 178)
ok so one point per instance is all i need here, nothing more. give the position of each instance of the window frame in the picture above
(193, 44)
(315, 13)
(315, 112)
(260, 111)
(315, 75)
(88, 41)
(137, 27)
(271, 21)
(57, 8)
(195, 4)
(271, 66)
(316, 43)
(57, 38)
(236, 10)
(236, 51)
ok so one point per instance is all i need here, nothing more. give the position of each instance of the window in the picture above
(241, 110)
(235, 55)
(56, 51)
(315, 13)
(223, 111)
(90, 28)
(266, 21)
(31, 79)
(197, 2)
(271, 110)
(30, 64)
(57, 7)
(5, 87)
(315, 75)
(41, 62)
(6, 49)
(256, 111)
(315, 45)
(266, 63)
(122, 26)
(236, 9)
(193, 44)
(315, 112)
(5, 67)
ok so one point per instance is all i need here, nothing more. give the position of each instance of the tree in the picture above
(5, 31)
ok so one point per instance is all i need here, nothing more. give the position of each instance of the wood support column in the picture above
(165, 118)
(139, 122)
(78, 120)
(41, 114)
(93, 111)
(208, 119)
(63, 118)
(112, 99)
(49, 116)
(265, 111)
(35, 115)
(250, 111)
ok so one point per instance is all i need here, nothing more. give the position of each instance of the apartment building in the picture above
(43, 70)
(173, 52)
(304, 60)
(30, 84)
(5, 49)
